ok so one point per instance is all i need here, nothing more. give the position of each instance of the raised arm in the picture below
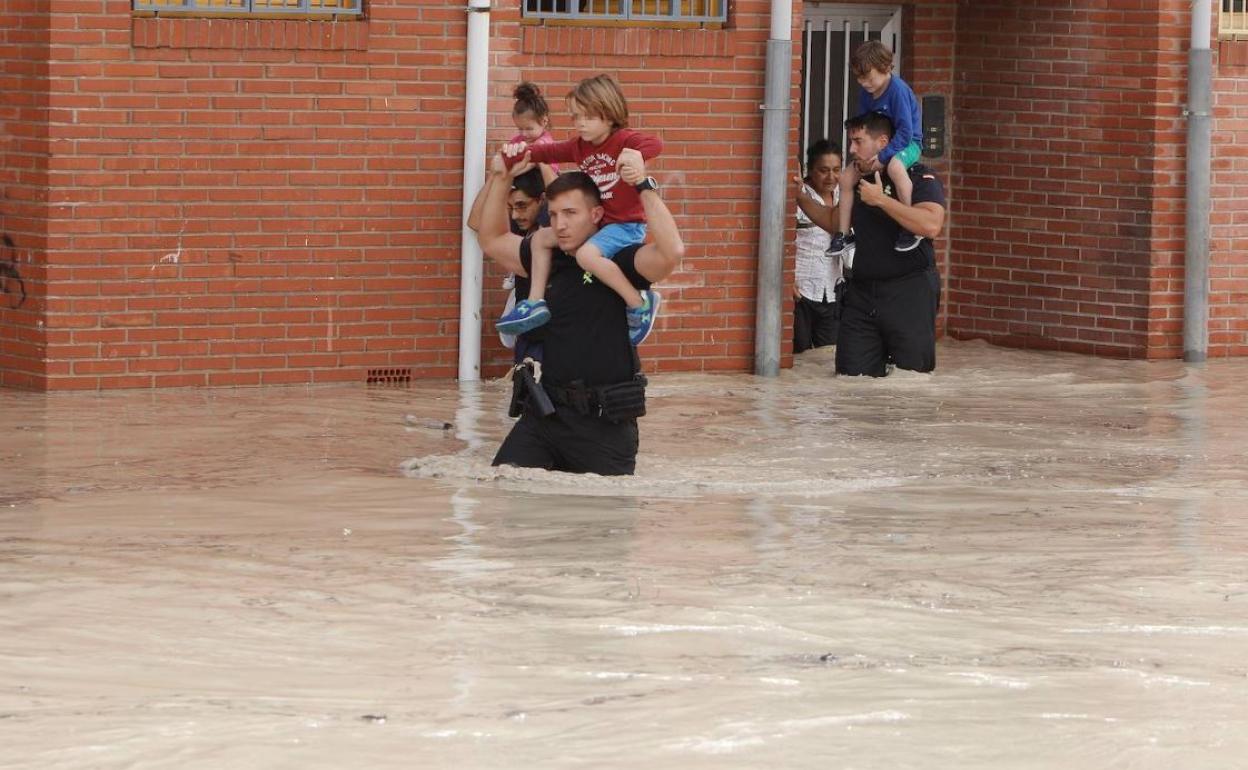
(655, 261)
(474, 213)
(495, 236)
(824, 216)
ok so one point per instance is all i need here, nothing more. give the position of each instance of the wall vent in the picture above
(389, 376)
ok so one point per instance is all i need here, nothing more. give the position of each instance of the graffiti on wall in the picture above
(11, 283)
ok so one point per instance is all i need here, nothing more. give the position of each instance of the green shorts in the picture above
(910, 155)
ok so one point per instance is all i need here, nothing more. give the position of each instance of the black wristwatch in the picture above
(646, 184)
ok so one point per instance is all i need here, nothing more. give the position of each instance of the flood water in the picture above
(1028, 560)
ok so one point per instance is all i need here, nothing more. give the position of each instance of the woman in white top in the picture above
(817, 274)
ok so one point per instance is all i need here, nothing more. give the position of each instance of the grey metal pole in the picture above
(1199, 130)
(770, 299)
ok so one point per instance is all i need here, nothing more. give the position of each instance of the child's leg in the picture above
(901, 179)
(532, 312)
(591, 260)
(539, 267)
(849, 183)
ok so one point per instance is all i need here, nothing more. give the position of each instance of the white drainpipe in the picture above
(475, 97)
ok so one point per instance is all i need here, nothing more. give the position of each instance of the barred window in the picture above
(638, 11)
(258, 8)
(1233, 20)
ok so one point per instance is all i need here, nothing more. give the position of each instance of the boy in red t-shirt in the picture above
(600, 114)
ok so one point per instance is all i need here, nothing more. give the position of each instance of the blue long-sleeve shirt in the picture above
(900, 104)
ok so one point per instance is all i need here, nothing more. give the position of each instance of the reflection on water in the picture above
(1026, 560)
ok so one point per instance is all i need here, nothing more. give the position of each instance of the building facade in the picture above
(224, 200)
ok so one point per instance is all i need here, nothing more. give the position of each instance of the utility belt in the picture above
(614, 403)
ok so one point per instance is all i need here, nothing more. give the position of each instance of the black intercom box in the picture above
(933, 126)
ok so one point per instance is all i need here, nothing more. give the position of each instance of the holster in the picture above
(527, 394)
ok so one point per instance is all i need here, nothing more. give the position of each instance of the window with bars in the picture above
(635, 11)
(1233, 19)
(258, 8)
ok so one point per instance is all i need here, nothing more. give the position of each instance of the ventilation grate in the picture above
(389, 376)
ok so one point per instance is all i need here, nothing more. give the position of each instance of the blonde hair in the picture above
(601, 97)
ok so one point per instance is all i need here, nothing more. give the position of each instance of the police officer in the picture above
(589, 370)
(890, 302)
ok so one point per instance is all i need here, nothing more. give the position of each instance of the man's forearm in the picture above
(922, 219)
(822, 215)
(667, 241)
(495, 237)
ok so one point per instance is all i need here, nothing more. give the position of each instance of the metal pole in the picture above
(1199, 130)
(770, 300)
(471, 270)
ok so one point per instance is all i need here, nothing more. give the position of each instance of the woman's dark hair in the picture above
(529, 99)
(820, 148)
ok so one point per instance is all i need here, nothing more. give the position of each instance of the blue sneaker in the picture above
(641, 319)
(523, 317)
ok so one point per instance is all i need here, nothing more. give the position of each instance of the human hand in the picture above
(631, 166)
(871, 193)
(497, 164)
(799, 186)
(522, 166)
(796, 294)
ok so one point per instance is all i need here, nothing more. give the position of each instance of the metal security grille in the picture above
(253, 7)
(829, 91)
(700, 11)
(1233, 19)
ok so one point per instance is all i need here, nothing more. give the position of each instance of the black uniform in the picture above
(889, 308)
(585, 343)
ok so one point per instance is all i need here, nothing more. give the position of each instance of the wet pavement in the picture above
(1028, 560)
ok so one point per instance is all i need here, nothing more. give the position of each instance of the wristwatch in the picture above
(646, 184)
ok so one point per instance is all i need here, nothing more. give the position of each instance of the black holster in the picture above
(527, 394)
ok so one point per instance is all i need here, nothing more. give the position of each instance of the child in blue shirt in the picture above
(887, 94)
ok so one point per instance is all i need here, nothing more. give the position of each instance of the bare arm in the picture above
(824, 216)
(474, 213)
(655, 261)
(496, 239)
(924, 219)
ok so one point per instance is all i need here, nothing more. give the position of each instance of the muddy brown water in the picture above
(1027, 560)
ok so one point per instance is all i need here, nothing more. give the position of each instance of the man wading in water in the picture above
(589, 372)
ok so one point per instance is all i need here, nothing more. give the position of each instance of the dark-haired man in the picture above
(889, 308)
(589, 369)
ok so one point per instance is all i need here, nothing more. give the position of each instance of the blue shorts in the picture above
(614, 238)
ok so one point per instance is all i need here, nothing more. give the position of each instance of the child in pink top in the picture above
(600, 114)
(531, 115)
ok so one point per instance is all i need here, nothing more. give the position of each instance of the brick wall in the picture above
(930, 33)
(247, 202)
(252, 202)
(1054, 161)
(1071, 162)
(23, 189)
(1228, 258)
(700, 90)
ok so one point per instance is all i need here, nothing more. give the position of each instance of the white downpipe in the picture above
(471, 271)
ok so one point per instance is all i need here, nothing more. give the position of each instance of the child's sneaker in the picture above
(641, 319)
(523, 317)
(907, 241)
(837, 247)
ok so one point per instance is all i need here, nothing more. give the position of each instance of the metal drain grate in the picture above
(389, 377)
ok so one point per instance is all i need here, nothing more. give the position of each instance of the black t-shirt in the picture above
(875, 232)
(586, 337)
